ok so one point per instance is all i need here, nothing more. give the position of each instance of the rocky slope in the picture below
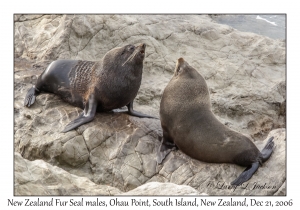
(244, 71)
(40, 178)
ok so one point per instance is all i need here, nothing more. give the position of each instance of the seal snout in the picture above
(179, 63)
(180, 60)
(143, 47)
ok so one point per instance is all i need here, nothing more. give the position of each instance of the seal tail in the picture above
(30, 96)
(250, 170)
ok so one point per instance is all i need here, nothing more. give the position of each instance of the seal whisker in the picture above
(130, 57)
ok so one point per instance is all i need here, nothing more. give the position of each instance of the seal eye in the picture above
(131, 48)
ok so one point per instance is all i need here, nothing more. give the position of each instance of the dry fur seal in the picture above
(110, 83)
(188, 123)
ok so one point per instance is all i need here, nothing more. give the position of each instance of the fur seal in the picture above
(189, 124)
(110, 83)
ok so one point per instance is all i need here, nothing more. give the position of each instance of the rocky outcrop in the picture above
(158, 188)
(122, 154)
(244, 71)
(40, 178)
(135, 165)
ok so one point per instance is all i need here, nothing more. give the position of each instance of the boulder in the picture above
(40, 178)
(245, 73)
(158, 188)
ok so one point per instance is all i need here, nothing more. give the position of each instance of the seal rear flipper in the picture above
(247, 174)
(30, 96)
(86, 116)
(137, 114)
(267, 150)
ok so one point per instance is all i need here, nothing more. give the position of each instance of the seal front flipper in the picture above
(165, 148)
(86, 116)
(247, 174)
(30, 96)
(137, 114)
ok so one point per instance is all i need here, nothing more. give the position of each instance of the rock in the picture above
(282, 190)
(245, 73)
(74, 152)
(40, 178)
(157, 188)
(240, 67)
(126, 159)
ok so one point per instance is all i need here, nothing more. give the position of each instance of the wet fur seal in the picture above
(189, 124)
(110, 83)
